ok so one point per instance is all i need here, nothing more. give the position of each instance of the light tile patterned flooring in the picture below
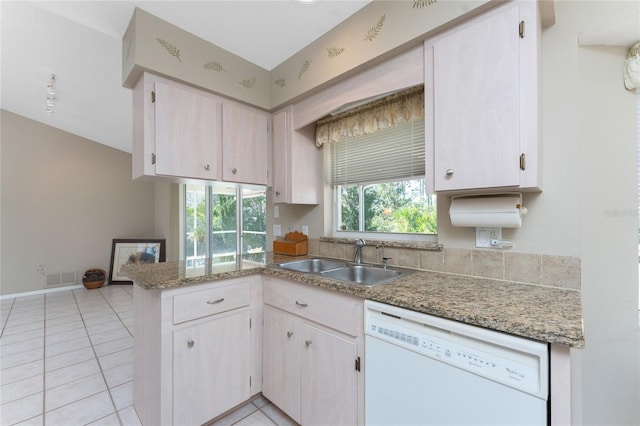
(66, 358)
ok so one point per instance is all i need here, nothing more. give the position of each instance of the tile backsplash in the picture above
(555, 271)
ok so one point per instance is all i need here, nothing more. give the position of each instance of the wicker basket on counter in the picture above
(93, 278)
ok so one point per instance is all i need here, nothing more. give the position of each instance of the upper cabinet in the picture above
(187, 133)
(481, 102)
(296, 161)
(182, 133)
(245, 136)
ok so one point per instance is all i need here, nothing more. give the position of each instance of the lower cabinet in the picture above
(210, 368)
(310, 371)
(197, 352)
(200, 350)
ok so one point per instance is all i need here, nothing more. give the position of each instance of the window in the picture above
(214, 226)
(397, 207)
(379, 184)
(377, 162)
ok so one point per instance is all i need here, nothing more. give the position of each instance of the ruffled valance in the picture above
(375, 116)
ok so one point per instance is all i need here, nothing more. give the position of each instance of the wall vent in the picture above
(60, 279)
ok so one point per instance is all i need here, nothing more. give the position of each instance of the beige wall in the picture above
(64, 198)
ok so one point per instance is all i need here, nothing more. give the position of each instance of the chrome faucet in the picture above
(359, 244)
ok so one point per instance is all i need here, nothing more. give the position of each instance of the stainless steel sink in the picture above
(362, 274)
(313, 265)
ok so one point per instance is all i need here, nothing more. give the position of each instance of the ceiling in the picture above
(80, 42)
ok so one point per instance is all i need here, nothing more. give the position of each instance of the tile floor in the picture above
(66, 358)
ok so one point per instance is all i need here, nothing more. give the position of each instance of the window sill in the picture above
(351, 237)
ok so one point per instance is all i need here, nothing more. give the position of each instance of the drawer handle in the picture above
(308, 342)
(289, 334)
(190, 343)
(302, 305)
(215, 302)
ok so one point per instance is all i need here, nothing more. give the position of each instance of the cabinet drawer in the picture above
(333, 310)
(202, 303)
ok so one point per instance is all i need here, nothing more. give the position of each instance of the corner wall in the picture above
(64, 198)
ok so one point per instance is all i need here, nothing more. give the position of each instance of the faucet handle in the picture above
(361, 243)
(385, 261)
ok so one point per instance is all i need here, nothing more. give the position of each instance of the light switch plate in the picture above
(276, 211)
(305, 229)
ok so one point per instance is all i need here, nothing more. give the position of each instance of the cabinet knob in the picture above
(277, 193)
(449, 172)
(301, 304)
(215, 302)
(289, 334)
(207, 167)
(308, 342)
(190, 343)
(234, 170)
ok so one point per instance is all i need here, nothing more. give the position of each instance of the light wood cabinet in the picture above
(245, 137)
(312, 352)
(197, 350)
(187, 132)
(297, 173)
(182, 133)
(211, 367)
(481, 102)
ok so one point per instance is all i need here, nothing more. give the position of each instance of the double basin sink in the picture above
(355, 273)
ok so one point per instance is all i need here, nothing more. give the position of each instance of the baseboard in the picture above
(43, 291)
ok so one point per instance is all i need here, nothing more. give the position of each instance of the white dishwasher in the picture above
(426, 370)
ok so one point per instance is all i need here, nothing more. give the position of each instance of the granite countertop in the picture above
(547, 314)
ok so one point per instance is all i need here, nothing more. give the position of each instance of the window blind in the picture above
(395, 153)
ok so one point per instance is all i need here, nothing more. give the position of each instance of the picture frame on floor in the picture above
(129, 251)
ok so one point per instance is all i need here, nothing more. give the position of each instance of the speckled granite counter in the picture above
(547, 314)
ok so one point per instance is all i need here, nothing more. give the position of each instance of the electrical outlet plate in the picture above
(485, 235)
(305, 229)
(277, 230)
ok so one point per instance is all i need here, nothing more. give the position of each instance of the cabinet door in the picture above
(210, 368)
(297, 171)
(477, 104)
(244, 145)
(187, 133)
(281, 361)
(281, 153)
(329, 379)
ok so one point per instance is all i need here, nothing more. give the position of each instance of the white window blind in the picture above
(392, 154)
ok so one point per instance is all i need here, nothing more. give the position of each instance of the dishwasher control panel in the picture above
(510, 360)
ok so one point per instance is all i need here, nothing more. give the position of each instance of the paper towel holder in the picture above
(488, 213)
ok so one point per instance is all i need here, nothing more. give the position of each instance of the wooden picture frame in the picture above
(134, 251)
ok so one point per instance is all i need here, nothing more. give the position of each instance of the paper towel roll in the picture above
(499, 211)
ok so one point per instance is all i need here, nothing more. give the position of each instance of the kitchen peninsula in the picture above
(171, 300)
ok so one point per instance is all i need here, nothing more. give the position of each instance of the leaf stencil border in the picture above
(214, 66)
(375, 30)
(248, 83)
(334, 52)
(170, 48)
(304, 67)
(418, 4)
